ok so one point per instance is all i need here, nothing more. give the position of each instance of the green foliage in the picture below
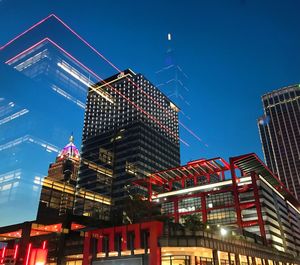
(137, 209)
(192, 222)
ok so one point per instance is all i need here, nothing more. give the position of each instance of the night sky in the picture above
(233, 51)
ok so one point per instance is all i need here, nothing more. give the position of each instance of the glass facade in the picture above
(280, 135)
(119, 138)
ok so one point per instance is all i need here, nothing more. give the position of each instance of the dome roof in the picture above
(70, 150)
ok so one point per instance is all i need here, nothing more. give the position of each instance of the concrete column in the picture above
(215, 257)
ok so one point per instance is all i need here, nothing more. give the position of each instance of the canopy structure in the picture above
(205, 171)
(198, 171)
(251, 163)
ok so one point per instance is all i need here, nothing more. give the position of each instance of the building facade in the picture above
(254, 201)
(280, 135)
(130, 130)
(59, 194)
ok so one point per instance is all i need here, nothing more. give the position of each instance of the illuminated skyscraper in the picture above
(59, 195)
(280, 135)
(131, 130)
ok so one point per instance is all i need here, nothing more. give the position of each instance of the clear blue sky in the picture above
(233, 51)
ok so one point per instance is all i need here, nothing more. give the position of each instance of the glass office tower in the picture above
(280, 135)
(130, 130)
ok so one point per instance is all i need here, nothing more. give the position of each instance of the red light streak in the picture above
(16, 251)
(44, 244)
(105, 59)
(3, 252)
(24, 32)
(101, 79)
(119, 70)
(28, 254)
(23, 52)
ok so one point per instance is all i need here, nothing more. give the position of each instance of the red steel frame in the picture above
(164, 180)
(193, 170)
(155, 229)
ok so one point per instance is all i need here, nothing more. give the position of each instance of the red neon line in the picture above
(24, 32)
(119, 70)
(104, 58)
(44, 244)
(3, 255)
(28, 254)
(99, 78)
(3, 252)
(16, 251)
(118, 92)
(23, 52)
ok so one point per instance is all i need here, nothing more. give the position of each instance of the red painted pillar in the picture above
(203, 208)
(176, 213)
(258, 206)
(100, 242)
(111, 238)
(195, 180)
(124, 238)
(183, 183)
(137, 234)
(155, 229)
(87, 257)
(223, 175)
(236, 194)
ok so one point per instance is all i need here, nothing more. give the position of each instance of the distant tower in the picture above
(280, 135)
(60, 196)
(58, 191)
(171, 79)
(66, 165)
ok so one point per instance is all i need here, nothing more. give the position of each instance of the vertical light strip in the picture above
(44, 244)
(16, 251)
(28, 253)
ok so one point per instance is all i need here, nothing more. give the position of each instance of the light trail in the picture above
(105, 59)
(119, 70)
(102, 80)
(24, 32)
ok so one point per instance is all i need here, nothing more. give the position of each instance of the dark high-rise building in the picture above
(130, 130)
(280, 135)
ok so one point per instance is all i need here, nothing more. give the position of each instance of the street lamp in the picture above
(223, 231)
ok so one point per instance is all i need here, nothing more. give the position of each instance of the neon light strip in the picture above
(23, 33)
(115, 90)
(116, 68)
(104, 58)
(44, 244)
(16, 251)
(199, 188)
(28, 254)
(3, 252)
